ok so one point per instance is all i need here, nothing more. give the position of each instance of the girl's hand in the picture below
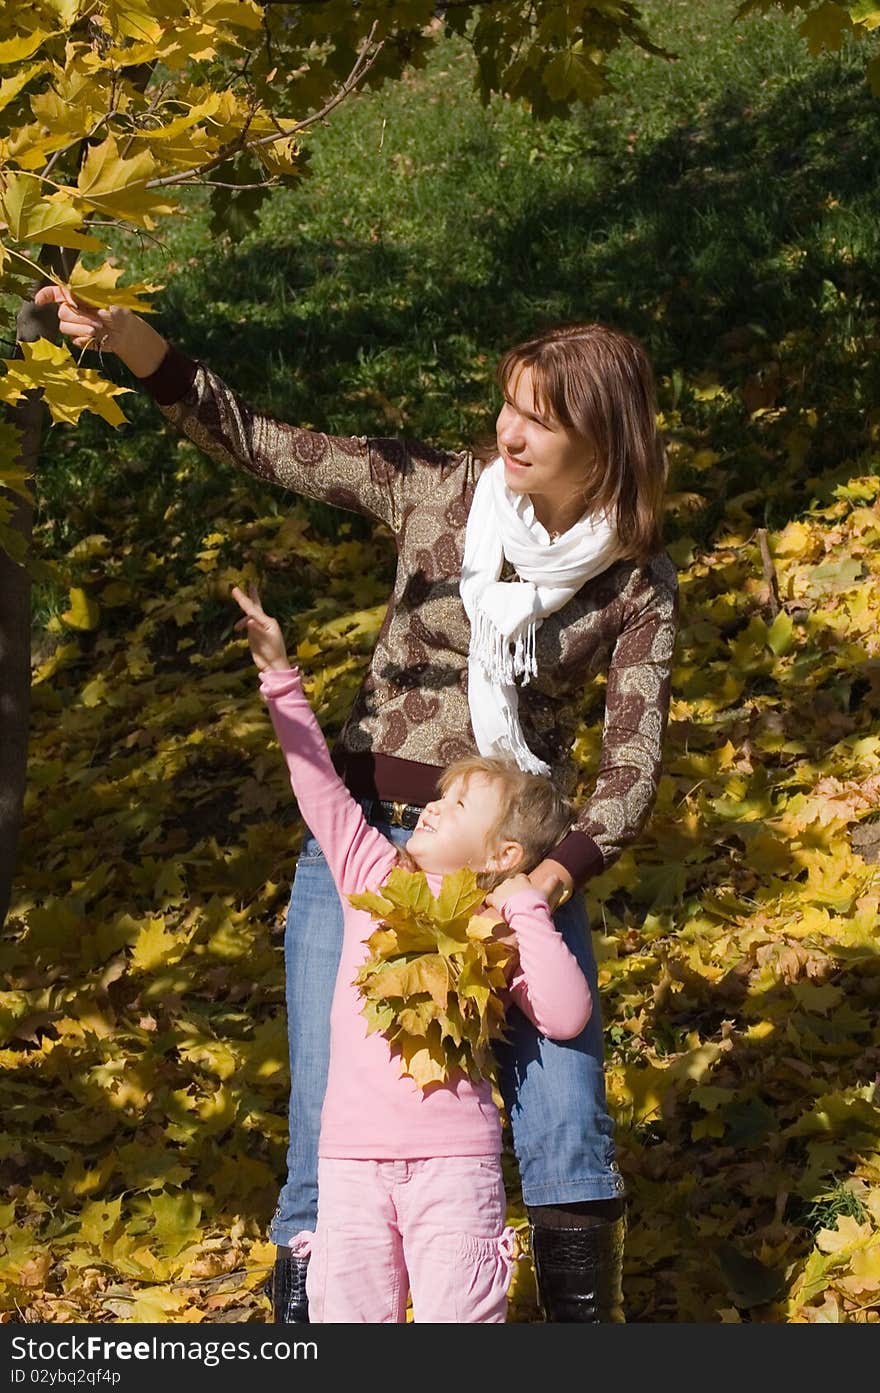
(114, 330)
(263, 632)
(514, 885)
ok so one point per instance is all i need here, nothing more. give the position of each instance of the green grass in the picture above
(825, 1211)
(722, 206)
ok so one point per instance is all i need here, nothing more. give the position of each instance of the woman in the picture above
(519, 581)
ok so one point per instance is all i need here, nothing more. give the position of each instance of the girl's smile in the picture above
(459, 829)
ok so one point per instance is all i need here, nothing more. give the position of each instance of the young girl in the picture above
(410, 1191)
(555, 543)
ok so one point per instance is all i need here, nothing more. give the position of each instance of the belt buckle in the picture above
(398, 811)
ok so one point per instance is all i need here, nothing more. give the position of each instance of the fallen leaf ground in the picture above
(725, 209)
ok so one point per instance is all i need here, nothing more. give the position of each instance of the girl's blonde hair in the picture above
(597, 381)
(530, 811)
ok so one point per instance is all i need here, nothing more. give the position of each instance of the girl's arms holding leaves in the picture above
(547, 984)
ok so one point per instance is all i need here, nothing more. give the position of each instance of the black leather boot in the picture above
(579, 1271)
(286, 1289)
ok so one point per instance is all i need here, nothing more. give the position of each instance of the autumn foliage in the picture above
(142, 1041)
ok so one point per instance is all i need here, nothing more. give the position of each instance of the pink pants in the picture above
(434, 1227)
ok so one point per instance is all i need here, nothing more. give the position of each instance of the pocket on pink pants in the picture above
(471, 1287)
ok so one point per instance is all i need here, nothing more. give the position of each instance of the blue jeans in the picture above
(554, 1091)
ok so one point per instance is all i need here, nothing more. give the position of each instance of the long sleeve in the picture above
(358, 855)
(636, 712)
(548, 985)
(380, 478)
(411, 716)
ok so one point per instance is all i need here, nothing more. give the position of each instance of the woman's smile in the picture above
(541, 456)
(510, 462)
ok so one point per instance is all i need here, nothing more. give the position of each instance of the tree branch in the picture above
(238, 188)
(362, 66)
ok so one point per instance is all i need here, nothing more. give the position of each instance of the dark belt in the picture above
(396, 814)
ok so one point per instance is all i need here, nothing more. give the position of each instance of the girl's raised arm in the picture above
(263, 633)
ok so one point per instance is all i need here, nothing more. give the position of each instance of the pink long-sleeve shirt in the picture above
(370, 1110)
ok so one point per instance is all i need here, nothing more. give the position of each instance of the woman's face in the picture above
(542, 457)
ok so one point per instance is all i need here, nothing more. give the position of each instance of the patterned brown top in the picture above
(411, 716)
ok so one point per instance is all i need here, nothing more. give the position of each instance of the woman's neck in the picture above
(557, 518)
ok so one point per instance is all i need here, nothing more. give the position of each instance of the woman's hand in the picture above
(514, 885)
(113, 330)
(552, 881)
(263, 633)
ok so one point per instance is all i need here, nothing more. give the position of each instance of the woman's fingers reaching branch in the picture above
(86, 326)
(114, 330)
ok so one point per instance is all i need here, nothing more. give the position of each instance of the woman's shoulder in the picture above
(660, 572)
(649, 586)
(653, 575)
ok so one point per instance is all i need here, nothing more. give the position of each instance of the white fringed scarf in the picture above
(505, 615)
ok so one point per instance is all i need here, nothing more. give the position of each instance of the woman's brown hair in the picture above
(597, 381)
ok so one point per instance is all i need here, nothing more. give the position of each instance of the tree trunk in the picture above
(15, 658)
(15, 581)
(15, 607)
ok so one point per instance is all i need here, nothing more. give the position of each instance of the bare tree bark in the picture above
(15, 660)
(15, 603)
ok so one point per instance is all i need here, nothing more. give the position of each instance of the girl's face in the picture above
(456, 830)
(542, 457)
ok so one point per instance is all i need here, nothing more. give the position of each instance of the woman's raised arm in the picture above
(380, 478)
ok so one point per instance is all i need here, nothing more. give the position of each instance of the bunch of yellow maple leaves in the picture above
(433, 981)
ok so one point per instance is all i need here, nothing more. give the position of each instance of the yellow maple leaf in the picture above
(68, 390)
(154, 946)
(848, 1235)
(98, 1218)
(84, 612)
(98, 287)
(866, 1264)
(11, 86)
(177, 1218)
(199, 111)
(424, 1058)
(34, 217)
(15, 50)
(425, 973)
(129, 19)
(217, 1112)
(117, 185)
(157, 1304)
